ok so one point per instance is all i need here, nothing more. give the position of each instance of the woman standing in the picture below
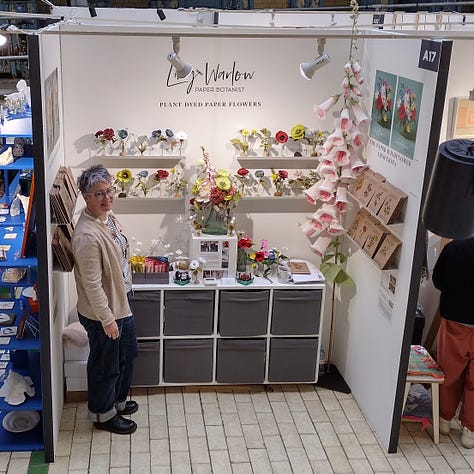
(103, 281)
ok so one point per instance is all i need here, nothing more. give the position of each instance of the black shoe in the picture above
(117, 424)
(131, 406)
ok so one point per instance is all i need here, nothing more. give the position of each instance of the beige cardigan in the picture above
(101, 293)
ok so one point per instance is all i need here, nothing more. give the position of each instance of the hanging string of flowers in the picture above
(340, 161)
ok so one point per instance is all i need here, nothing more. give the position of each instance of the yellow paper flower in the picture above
(124, 176)
(223, 182)
(297, 132)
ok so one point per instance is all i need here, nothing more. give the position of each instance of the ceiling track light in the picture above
(307, 70)
(183, 70)
(92, 12)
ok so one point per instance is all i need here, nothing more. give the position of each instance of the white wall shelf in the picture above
(304, 162)
(280, 204)
(134, 205)
(139, 161)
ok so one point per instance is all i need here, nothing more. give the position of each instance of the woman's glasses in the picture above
(101, 195)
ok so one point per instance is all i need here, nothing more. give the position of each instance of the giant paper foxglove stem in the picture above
(341, 160)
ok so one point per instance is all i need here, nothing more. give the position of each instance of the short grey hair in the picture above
(91, 176)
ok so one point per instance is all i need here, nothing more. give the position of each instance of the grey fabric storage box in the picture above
(187, 360)
(296, 312)
(243, 312)
(240, 360)
(146, 309)
(189, 312)
(293, 360)
(146, 370)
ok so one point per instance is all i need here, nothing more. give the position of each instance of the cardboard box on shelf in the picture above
(387, 252)
(365, 228)
(377, 232)
(380, 194)
(359, 183)
(355, 225)
(392, 206)
(371, 184)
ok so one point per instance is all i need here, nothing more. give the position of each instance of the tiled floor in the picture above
(247, 429)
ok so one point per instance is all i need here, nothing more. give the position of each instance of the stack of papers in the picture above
(305, 272)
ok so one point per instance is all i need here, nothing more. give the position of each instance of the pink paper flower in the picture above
(322, 109)
(320, 245)
(336, 138)
(310, 230)
(340, 155)
(312, 193)
(357, 137)
(336, 229)
(359, 114)
(356, 68)
(346, 122)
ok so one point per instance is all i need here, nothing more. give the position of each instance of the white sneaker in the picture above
(444, 426)
(467, 438)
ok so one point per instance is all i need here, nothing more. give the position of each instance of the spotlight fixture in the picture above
(161, 14)
(183, 70)
(308, 69)
(3, 40)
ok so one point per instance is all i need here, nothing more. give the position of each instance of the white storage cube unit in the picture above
(219, 252)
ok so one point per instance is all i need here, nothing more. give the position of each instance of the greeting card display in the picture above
(218, 254)
(374, 238)
(387, 252)
(393, 205)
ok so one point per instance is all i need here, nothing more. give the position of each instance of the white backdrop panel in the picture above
(369, 335)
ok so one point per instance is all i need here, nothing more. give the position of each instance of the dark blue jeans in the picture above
(109, 366)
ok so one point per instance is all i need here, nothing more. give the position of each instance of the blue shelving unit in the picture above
(24, 352)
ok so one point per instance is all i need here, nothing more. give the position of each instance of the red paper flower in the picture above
(242, 171)
(259, 256)
(245, 242)
(281, 136)
(161, 174)
(217, 196)
(283, 174)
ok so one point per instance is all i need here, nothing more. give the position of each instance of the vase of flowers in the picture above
(195, 269)
(245, 142)
(281, 138)
(266, 141)
(279, 179)
(215, 197)
(244, 244)
(142, 144)
(160, 176)
(265, 260)
(123, 137)
(104, 138)
(177, 182)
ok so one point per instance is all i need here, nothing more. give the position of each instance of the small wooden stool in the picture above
(423, 369)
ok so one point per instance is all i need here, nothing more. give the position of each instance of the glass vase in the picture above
(215, 221)
(242, 260)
